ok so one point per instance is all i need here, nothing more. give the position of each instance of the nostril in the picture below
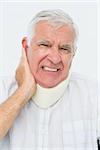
(54, 59)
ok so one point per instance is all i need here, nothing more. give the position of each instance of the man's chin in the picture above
(47, 84)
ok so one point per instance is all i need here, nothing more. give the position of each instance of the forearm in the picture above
(10, 109)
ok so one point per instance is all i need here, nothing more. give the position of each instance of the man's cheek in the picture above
(70, 61)
(33, 68)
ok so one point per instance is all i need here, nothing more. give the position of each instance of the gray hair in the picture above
(56, 17)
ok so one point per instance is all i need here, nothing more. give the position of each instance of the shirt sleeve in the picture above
(3, 91)
(98, 113)
(5, 143)
(8, 85)
(98, 119)
(4, 94)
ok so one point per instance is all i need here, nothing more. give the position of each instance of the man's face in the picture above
(50, 53)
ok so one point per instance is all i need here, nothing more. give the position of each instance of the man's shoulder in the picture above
(8, 81)
(7, 78)
(85, 83)
(8, 85)
(76, 77)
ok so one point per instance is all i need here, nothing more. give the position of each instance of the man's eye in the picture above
(45, 45)
(66, 49)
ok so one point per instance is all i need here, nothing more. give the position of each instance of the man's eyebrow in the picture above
(65, 45)
(42, 41)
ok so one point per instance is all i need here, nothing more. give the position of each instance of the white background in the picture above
(14, 18)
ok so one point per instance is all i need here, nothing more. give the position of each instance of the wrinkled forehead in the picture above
(47, 30)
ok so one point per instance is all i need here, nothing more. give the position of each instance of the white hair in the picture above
(56, 17)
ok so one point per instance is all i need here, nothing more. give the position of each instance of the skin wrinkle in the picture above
(67, 47)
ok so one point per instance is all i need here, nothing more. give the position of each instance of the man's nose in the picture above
(54, 56)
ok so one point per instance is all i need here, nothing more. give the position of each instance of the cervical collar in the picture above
(47, 97)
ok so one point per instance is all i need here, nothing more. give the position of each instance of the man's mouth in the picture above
(45, 68)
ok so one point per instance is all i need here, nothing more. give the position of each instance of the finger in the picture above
(24, 56)
(23, 53)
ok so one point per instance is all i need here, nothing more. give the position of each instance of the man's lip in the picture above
(53, 69)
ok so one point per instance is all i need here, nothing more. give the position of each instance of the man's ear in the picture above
(25, 43)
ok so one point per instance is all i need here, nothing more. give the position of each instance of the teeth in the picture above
(50, 69)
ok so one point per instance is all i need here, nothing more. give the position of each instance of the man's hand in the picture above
(24, 76)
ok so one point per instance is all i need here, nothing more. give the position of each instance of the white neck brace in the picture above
(47, 97)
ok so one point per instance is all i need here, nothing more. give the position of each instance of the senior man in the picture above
(47, 107)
